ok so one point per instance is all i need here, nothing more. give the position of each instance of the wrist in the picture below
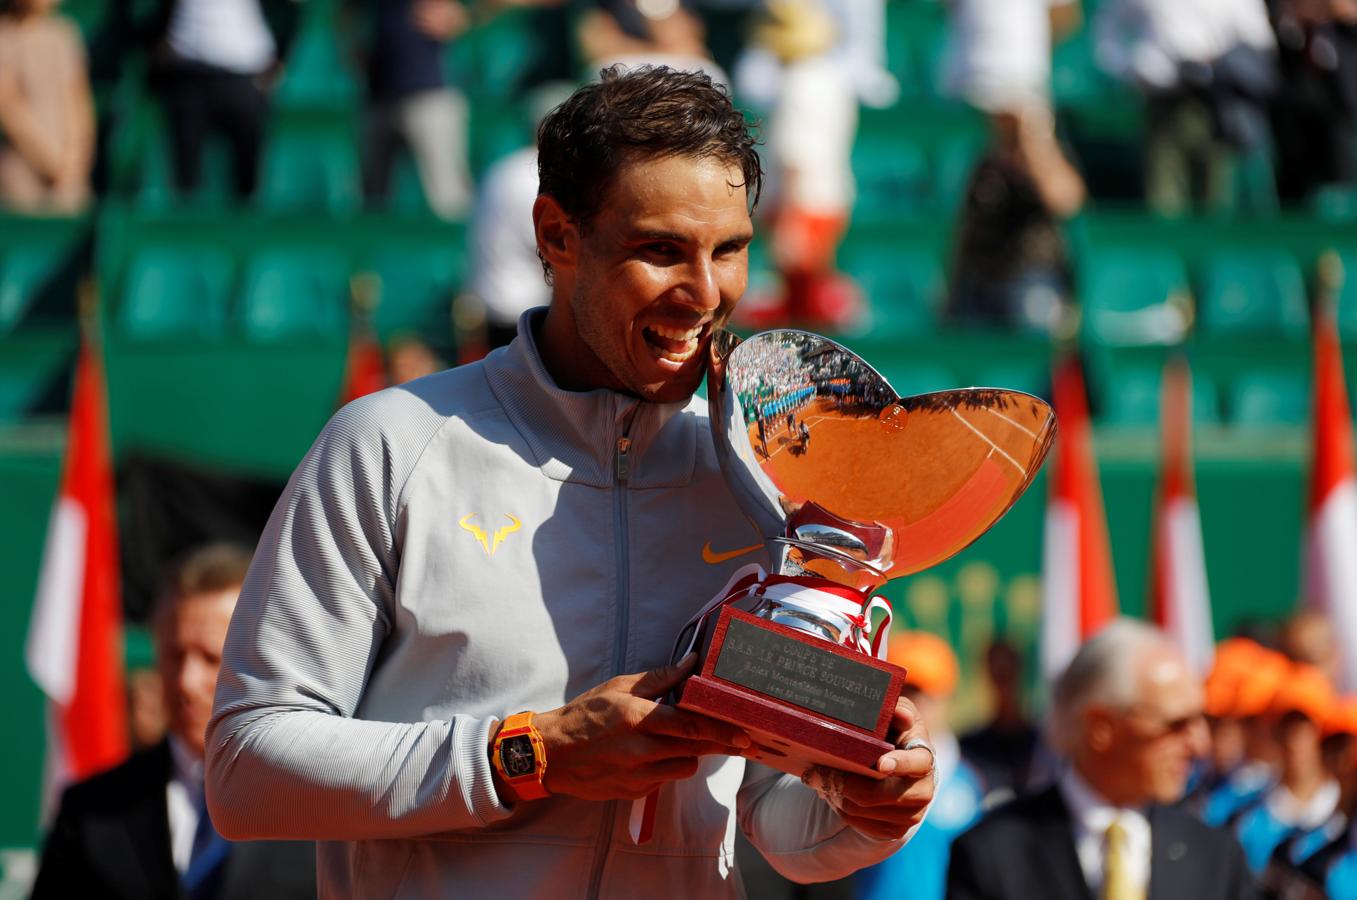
(518, 757)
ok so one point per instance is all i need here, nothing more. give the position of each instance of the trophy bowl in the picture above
(850, 485)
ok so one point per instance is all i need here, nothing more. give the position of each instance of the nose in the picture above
(703, 288)
(1199, 738)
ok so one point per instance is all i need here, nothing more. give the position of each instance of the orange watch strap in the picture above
(528, 786)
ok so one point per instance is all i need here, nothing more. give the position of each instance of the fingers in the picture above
(905, 721)
(671, 722)
(888, 798)
(913, 763)
(658, 681)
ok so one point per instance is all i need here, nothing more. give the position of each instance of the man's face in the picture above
(657, 269)
(189, 641)
(1144, 754)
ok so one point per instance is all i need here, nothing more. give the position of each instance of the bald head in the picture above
(1128, 714)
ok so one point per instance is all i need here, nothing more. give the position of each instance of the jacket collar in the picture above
(574, 435)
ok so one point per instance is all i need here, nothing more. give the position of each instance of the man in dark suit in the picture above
(140, 830)
(1127, 714)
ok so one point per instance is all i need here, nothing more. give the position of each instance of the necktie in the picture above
(1117, 882)
(201, 878)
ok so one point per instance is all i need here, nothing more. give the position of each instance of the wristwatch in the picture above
(520, 757)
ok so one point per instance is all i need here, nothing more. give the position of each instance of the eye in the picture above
(664, 250)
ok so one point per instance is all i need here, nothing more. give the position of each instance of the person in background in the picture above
(1251, 779)
(1127, 714)
(212, 71)
(1207, 70)
(46, 113)
(1230, 666)
(1011, 265)
(1305, 794)
(1308, 637)
(141, 829)
(1003, 751)
(410, 103)
(631, 33)
(409, 357)
(1314, 115)
(811, 126)
(919, 870)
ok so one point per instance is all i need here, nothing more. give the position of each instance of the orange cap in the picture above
(1260, 683)
(1235, 659)
(1342, 718)
(1304, 690)
(929, 661)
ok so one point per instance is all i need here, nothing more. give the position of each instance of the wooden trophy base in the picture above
(804, 701)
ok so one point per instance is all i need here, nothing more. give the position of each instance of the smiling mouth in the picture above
(675, 345)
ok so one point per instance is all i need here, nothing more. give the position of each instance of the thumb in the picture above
(662, 679)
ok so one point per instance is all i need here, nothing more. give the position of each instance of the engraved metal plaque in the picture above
(800, 673)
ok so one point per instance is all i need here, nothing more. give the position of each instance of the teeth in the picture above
(676, 334)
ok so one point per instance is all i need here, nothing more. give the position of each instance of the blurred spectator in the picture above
(1305, 794)
(919, 870)
(147, 717)
(410, 103)
(645, 32)
(212, 72)
(1207, 69)
(506, 274)
(409, 357)
(1263, 674)
(1308, 637)
(1127, 713)
(1002, 751)
(809, 144)
(1314, 116)
(141, 829)
(1232, 661)
(46, 113)
(1011, 266)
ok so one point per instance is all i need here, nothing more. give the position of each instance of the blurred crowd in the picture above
(1222, 83)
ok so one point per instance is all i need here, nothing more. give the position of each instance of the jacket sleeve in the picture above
(65, 869)
(287, 755)
(965, 878)
(802, 838)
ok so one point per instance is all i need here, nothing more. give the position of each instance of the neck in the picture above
(569, 362)
(1106, 787)
(1302, 780)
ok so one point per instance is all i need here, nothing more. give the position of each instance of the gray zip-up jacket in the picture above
(450, 552)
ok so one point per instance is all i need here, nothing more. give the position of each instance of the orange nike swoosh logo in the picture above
(712, 558)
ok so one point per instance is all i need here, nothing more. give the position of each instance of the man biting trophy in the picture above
(446, 658)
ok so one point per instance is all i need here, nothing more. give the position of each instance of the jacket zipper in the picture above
(622, 473)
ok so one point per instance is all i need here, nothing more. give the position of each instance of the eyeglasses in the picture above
(1161, 727)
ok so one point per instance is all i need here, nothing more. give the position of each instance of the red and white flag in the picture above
(364, 369)
(1330, 569)
(1079, 593)
(74, 650)
(1179, 598)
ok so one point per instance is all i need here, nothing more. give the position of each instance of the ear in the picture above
(1099, 729)
(557, 234)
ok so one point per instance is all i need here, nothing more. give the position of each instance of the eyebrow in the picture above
(648, 234)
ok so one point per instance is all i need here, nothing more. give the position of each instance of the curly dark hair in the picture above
(643, 113)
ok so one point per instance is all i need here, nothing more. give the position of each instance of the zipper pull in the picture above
(623, 462)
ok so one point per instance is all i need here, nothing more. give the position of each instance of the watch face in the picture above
(515, 754)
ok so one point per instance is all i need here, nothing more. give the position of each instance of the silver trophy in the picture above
(850, 485)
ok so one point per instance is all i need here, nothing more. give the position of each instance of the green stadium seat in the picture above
(954, 160)
(909, 379)
(904, 288)
(417, 288)
(1269, 399)
(316, 72)
(893, 177)
(1034, 380)
(1254, 189)
(19, 391)
(25, 269)
(1336, 203)
(495, 57)
(155, 180)
(1075, 75)
(174, 292)
(294, 293)
(310, 173)
(1133, 399)
(1255, 293)
(1346, 307)
(1125, 294)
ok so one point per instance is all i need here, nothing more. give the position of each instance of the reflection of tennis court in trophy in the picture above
(938, 474)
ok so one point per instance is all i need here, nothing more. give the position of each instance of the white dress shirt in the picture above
(1091, 815)
(227, 34)
(999, 53)
(1145, 41)
(183, 794)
